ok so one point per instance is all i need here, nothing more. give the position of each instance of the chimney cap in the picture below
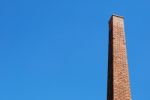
(116, 15)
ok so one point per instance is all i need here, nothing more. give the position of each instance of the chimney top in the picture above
(115, 15)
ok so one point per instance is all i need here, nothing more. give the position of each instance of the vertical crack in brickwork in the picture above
(118, 77)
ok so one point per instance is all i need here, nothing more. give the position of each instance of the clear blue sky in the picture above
(57, 49)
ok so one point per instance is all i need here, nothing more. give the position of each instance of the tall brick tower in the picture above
(118, 87)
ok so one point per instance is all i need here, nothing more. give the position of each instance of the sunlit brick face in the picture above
(118, 75)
